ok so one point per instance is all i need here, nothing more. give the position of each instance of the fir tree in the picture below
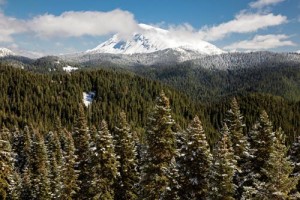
(70, 175)
(195, 163)
(39, 168)
(262, 138)
(158, 170)
(277, 169)
(240, 145)
(105, 164)
(24, 162)
(55, 164)
(7, 172)
(126, 186)
(295, 157)
(223, 169)
(82, 144)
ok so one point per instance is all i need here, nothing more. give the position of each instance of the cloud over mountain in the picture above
(76, 24)
(262, 42)
(242, 23)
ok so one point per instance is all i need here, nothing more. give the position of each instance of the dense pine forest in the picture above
(93, 162)
(141, 139)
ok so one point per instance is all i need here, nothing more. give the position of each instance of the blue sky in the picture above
(65, 26)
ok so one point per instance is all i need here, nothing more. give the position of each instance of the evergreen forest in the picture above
(146, 139)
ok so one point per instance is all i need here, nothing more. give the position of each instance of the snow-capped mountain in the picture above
(151, 39)
(6, 52)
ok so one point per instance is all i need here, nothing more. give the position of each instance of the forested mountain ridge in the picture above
(212, 84)
(40, 98)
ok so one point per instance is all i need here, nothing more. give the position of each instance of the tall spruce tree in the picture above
(295, 157)
(240, 145)
(39, 168)
(8, 184)
(55, 164)
(159, 171)
(70, 175)
(127, 184)
(105, 169)
(262, 136)
(195, 163)
(223, 169)
(81, 137)
(277, 170)
(24, 162)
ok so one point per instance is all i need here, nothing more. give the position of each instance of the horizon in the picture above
(53, 28)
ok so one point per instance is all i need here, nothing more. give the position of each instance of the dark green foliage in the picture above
(7, 173)
(83, 151)
(240, 145)
(212, 84)
(223, 169)
(69, 174)
(277, 169)
(105, 163)
(55, 164)
(39, 168)
(194, 163)
(261, 136)
(295, 158)
(127, 183)
(158, 163)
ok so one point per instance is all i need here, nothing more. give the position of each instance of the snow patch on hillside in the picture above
(69, 68)
(88, 98)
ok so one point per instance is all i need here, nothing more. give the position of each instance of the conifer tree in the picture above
(105, 164)
(39, 168)
(158, 170)
(262, 136)
(7, 172)
(295, 157)
(83, 162)
(70, 175)
(223, 169)
(24, 162)
(277, 169)
(195, 163)
(55, 164)
(126, 186)
(240, 145)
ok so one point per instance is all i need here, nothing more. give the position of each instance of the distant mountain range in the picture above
(150, 46)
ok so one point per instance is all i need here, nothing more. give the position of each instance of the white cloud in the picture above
(243, 23)
(298, 51)
(10, 26)
(76, 24)
(262, 42)
(264, 3)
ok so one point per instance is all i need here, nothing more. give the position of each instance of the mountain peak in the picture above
(6, 52)
(150, 39)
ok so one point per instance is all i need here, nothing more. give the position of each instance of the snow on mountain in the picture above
(69, 68)
(6, 52)
(151, 39)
